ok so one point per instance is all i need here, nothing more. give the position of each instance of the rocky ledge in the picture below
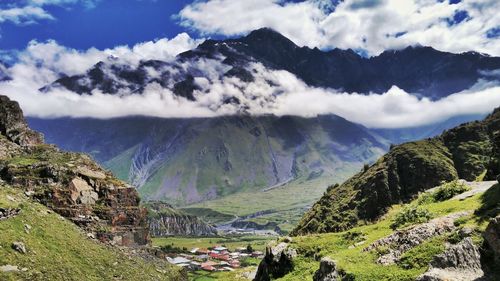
(402, 241)
(164, 220)
(460, 262)
(71, 184)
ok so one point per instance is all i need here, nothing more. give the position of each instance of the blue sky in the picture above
(370, 26)
(109, 23)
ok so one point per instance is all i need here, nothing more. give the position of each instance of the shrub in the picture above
(353, 237)
(366, 167)
(411, 215)
(448, 190)
(425, 198)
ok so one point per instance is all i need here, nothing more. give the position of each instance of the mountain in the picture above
(468, 151)
(185, 161)
(419, 70)
(61, 213)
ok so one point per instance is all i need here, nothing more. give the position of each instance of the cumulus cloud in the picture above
(371, 25)
(60, 59)
(33, 11)
(24, 15)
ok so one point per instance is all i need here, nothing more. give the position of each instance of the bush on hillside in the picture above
(353, 237)
(411, 215)
(450, 189)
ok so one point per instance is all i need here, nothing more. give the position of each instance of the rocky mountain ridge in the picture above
(419, 70)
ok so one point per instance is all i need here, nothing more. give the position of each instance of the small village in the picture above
(214, 259)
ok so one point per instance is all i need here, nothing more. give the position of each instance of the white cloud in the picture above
(33, 11)
(59, 59)
(24, 15)
(272, 92)
(371, 25)
(86, 3)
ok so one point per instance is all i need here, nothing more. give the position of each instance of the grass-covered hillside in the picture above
(469, 151)
(346, 247)
(56, 249)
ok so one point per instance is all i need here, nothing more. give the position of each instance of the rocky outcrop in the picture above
(164, 220)
(253, 225)
(403, 240)
(14, 127)
(460, 262)
(277, 262)
(6, 213)
(71, 184)
(327, 271)
(492, 237)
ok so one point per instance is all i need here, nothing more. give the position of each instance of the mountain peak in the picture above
(267, 35)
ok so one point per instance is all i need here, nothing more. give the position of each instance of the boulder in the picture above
(20, 247)
(403, 240)
(277, 262)
(327, 271)
(492, 237)
(6, 213)
(9, 268)
(460, 262)
(82, 192)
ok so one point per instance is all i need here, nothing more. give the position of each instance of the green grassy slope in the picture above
(346, 247)
(362, 265)
(468, 151)
(58, 250)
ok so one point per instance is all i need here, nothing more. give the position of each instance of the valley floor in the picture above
(271, 205)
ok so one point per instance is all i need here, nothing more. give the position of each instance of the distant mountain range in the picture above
(423, 71)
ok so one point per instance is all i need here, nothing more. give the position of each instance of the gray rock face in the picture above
(460, 262)
(492, 236)
(164, 220)
(327, 271)
(277, 262)
(14, 127)
(403, 240)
